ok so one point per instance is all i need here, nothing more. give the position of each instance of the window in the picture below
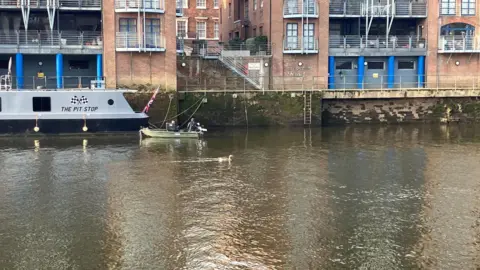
(308, 36)
(254, 4)
(229, 10)
(254, 32)
(78, 64)
(201, 30)
(149, 4)
(182, 29)
(215, 3)
(128, 25)
(152, 33)
(42, 104)
(216, 30)
(128, 28)
(185, 3)
(261, 3)
(229, 36)
(375, 65)
(468, 7)
(152, 25)
(344, 65)
(447, 7)
(309, 7)
(292, 36)
(201, 3)
(260, 30)
(406, 65)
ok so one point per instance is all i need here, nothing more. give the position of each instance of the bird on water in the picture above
(223, 159)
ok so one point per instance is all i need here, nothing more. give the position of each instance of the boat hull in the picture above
(71, 126)
(169, 134)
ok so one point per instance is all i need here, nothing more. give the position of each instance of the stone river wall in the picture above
(287, 109)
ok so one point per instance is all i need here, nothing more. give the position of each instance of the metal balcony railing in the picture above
(51, 82)
(458, 44)
(62, 4)
(358, 8)
(132, 41)
(300, 45)
(60, 39)
(74, 4)
(300, 8)
(405, 43)
(134, 5)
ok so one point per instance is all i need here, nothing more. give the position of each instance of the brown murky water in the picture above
(333, 198)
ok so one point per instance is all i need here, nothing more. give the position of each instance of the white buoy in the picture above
(85, 128)
(36, 129)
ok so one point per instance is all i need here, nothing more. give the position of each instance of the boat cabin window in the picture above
(0, 104)
(42, 104)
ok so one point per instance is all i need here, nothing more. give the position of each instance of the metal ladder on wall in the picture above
(307, 108)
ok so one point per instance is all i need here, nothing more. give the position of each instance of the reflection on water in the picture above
(350, 197)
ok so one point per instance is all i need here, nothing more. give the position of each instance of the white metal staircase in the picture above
(236, 64)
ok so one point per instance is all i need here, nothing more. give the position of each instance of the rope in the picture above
(168, 110)
(200, 104)
(184, 111)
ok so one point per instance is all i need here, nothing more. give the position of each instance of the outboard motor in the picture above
(200, 128)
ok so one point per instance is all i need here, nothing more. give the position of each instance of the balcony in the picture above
(151, 6)
(138, 42)
(80, 4)
(376, 46)
(458, 44)
(402, 9)
(51, 42)
(88, 5)
(300, 45)
(300, 9)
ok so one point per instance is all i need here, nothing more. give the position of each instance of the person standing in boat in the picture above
(191, 125)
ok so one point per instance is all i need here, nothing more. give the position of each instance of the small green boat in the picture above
(163, 133)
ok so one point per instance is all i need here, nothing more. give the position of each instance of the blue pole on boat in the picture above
(331, 72)
(391, 72)
(59, 64)
(361, 71)
(19, 70)
(99, 69)
(421, 71)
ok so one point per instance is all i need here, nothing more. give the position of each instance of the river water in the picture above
(359, 197)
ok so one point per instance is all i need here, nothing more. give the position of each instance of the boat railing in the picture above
(41, 82)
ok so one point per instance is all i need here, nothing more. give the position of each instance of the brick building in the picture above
(361, 43)
(198, 19)
(63, 43)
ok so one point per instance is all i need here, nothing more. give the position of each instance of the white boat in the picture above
(66, 111)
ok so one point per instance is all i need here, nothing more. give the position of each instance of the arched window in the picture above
(457, 29)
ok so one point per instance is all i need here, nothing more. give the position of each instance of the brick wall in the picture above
(210, 15)
(274, 27)
(444, 64)
(134, 68)
(109, 55)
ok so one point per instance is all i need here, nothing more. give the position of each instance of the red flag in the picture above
(145, 110)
